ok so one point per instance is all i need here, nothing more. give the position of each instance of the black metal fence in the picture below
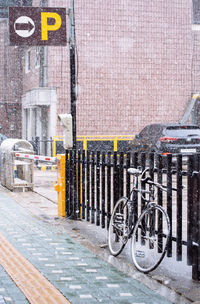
(95, 181)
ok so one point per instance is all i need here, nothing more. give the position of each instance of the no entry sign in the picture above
(37, 26)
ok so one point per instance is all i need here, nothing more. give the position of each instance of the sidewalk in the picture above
(67, 253)
(75, 271)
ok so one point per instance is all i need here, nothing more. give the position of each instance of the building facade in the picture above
(10, 85)
(134, 67)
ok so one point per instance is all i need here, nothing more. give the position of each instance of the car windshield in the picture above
(182, 131)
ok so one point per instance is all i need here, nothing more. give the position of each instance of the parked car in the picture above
(2, 137)
(167, 138)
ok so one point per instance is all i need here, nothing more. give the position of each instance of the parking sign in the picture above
(37, 26)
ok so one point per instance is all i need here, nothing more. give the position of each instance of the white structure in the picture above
(39, 113)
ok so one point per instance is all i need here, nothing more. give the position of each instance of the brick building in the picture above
(134, 68)
(11, 81)
(10, 85)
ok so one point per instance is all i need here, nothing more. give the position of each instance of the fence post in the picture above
(103, 184)
(169, 201)
(67, 183)
(70, 185)
(179, 214)
(196, 221)
(98, 211)
(115, 179)
(190, 208)
(108, 188)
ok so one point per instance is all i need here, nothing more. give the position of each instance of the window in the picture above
(28, 61)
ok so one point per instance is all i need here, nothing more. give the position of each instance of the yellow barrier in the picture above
(60, 185)
(85, 139)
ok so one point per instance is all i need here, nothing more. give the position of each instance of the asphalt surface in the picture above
(75, 258)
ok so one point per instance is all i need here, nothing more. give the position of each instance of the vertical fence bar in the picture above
(93, 188)
(115, 180)
(143, 185)
(169, 201)
(196, 224)
(135, 194)
(75, 205)
(98, 189)
(190, 209)
(70, 209)
(128, 179)
(121, 174)
(83, 185)
(160, 197)
(151, 165)
(160, 179)
(179, 214)
(108, 187)
(67, 183)
(103, 183)
(79, 183)
(88, 186)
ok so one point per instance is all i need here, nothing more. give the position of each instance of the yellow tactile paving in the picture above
(36, 288)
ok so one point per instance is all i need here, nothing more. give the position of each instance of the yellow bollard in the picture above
(60, 185)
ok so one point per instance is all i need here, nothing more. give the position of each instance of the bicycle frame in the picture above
(130, 202)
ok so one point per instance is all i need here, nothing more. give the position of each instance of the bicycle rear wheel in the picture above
(118, 227)
(150, 238)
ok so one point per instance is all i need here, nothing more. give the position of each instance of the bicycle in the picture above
(149, 233)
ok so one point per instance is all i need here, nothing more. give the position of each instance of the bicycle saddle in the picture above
(134, 171)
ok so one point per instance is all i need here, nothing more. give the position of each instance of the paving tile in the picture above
(73, 269)
(9, 292)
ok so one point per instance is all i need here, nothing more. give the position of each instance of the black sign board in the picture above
(37, 26)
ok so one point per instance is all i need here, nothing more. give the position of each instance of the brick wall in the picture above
(10, 85)
(134, 62)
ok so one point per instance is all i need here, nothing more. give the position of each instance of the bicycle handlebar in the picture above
(148, 179)
(159, 186)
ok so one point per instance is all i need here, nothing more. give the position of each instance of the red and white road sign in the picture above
(36, 157)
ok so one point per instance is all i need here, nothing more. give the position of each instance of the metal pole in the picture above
(72, 42)
(71, 207)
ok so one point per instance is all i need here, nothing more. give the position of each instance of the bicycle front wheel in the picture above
(150, 238)
(118, 227)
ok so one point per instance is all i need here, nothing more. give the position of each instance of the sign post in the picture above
(47, 26)
(72, 42)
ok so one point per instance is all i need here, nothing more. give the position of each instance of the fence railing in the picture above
(95, 181)
(54, 146)
(95, 143)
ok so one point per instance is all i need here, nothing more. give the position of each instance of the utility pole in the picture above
(72, 47)
(72, 208)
